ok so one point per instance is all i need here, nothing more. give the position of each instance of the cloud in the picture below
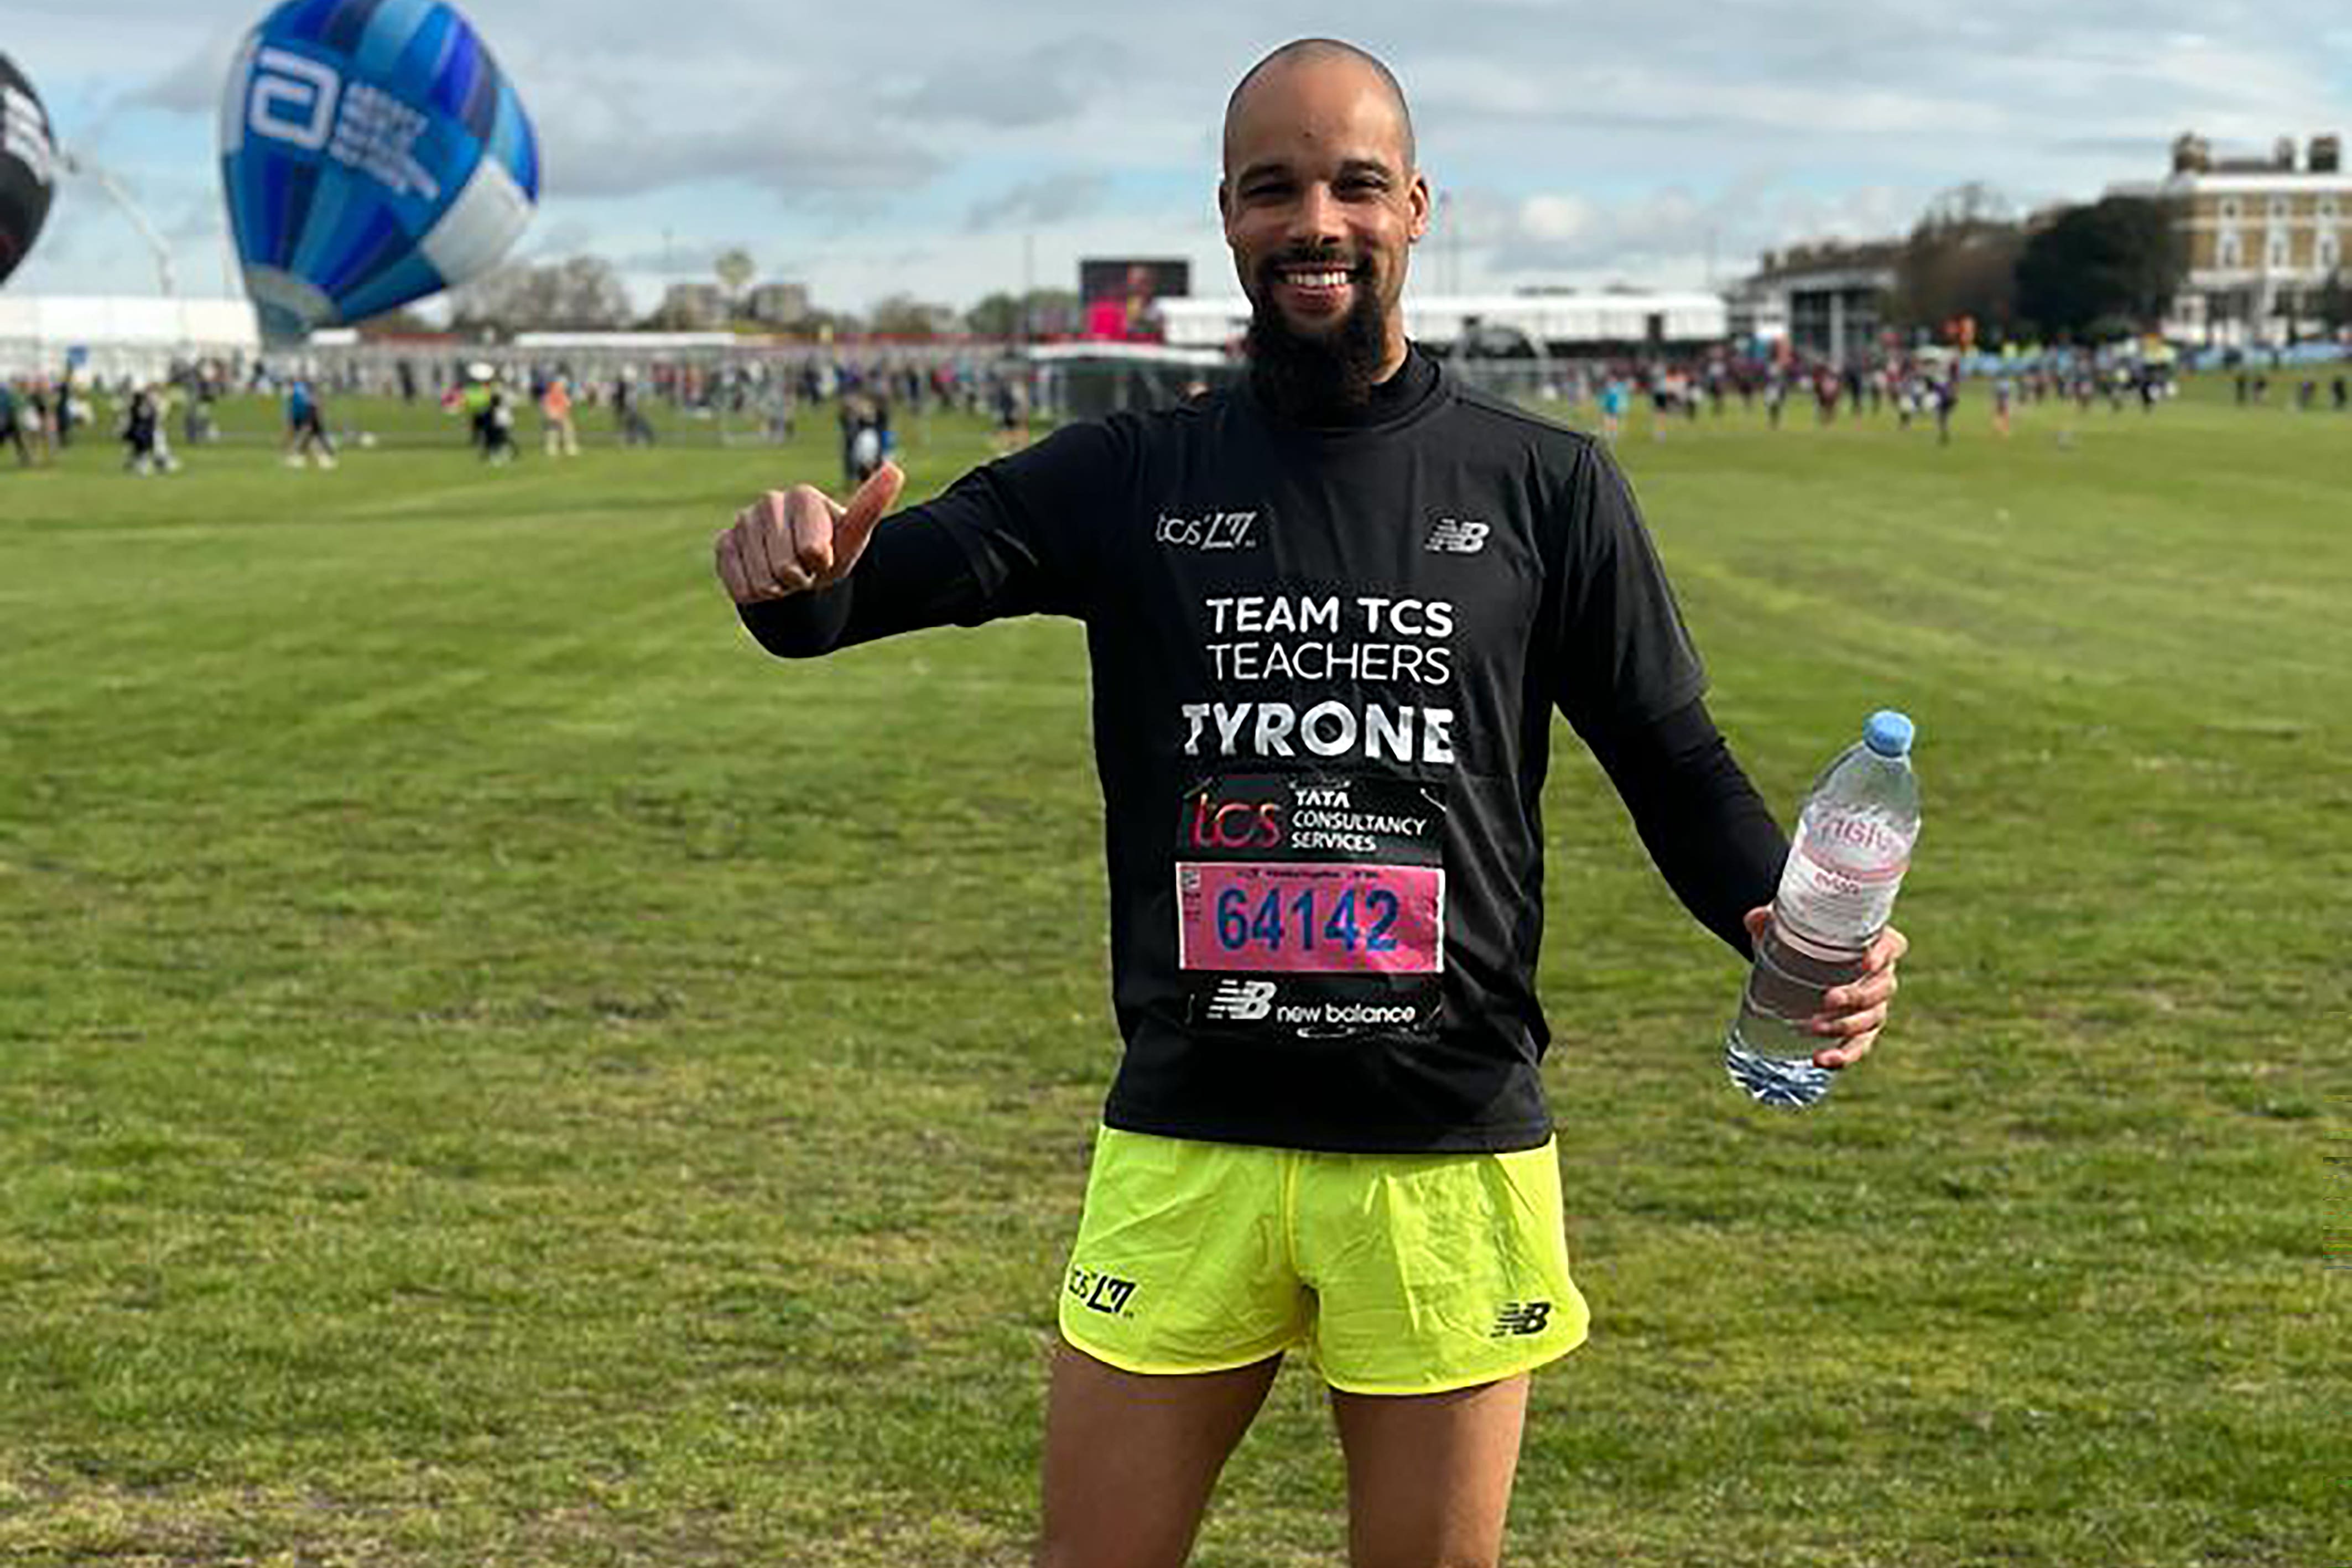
(1565, 234)
(191, 87)
(602, 155)
(1041, 86)
(1048, 199)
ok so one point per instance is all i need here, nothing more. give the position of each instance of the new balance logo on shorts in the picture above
(1521, 1318)
(1457, 536)
(1241, 1001)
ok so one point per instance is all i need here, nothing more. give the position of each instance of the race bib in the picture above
(1311, 906)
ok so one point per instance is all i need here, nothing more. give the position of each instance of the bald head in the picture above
(1302, 52)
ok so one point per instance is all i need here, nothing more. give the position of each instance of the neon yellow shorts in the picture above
(1397, 1273)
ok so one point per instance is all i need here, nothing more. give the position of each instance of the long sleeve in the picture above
(1016, 537)
(1709, 832)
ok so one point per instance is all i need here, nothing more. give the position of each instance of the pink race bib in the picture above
(1301, 917)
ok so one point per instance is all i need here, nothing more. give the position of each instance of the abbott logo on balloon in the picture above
(304, 102)
(293, 99)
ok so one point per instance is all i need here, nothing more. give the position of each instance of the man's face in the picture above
(1320, 200)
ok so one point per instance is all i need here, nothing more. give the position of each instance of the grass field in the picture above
(495, 1070)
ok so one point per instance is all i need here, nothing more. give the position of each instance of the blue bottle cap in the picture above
(1888, 732)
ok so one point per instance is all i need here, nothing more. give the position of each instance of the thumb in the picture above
(866, 508)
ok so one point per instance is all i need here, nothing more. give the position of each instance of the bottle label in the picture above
(1841, 880)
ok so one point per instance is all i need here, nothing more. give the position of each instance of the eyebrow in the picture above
(1348, 167)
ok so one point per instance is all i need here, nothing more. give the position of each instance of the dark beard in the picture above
(1322, 380)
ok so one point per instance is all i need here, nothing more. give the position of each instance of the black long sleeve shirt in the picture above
(1324, 664)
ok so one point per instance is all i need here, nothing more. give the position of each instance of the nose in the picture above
(1318, 218)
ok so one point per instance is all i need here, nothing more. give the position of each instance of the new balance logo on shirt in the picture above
(1457, 536)
(1242, 1001)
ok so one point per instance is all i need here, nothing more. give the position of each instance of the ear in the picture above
(1224, 204)
(1418, 200)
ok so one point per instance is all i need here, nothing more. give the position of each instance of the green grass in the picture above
(493, 1070)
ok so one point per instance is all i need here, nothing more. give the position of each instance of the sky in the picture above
(947, 150)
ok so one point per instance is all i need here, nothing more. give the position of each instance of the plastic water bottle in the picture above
(1852, 846)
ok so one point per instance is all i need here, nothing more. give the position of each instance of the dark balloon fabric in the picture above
(27, 166)
(372, 154)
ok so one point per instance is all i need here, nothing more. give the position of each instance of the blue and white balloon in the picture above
(373, 154)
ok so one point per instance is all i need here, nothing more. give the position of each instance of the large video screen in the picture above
(1115, 294)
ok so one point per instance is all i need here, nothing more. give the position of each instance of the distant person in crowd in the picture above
(558, 433)
(1945, 390)
(862, 448)
(146, 449)
(13, 414)
(307, 440)
(1011, 415)
(2002, 392)
(65, 415)
(628, 412)
(1616, 396)
(2340, 392)
(475, 400)
(35, 418)
(197, 426)
(497, 425)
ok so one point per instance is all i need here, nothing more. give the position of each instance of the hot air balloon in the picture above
(373, 154)
(27, 166)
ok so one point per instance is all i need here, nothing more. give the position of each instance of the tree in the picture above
(398, 322)
(1041, 312)
(903, 315)
(2332, 301)
(2119, 259)
(996, 316)
(1961, 262)
(734, 268)
(583, 294)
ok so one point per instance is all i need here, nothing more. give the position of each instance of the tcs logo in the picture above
(1236, 824)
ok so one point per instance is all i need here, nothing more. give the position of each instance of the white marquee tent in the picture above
(111, 336)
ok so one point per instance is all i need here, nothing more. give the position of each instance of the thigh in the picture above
(1429, 1475)
(1131, 1458)
(1435, 1272)
(1182, 1263)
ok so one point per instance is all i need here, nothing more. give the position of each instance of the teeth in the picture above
(1319, 279)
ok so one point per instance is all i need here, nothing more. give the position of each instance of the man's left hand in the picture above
(1852, 1014)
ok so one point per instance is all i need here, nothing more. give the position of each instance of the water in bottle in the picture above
(1852, 846)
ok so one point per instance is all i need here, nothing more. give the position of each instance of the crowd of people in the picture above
(1925, 387)
(761, 399)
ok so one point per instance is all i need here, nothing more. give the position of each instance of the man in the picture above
(1328, 613)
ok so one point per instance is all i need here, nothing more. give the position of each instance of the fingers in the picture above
(732, 573)
(789, 541)
(867, 507)
(1853, 1014)
(781, 544)
(1847, 1054)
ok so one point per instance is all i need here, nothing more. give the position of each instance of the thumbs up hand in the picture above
(797, 541)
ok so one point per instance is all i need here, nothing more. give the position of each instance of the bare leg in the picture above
(1429, 1475)
(1130, 1460)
